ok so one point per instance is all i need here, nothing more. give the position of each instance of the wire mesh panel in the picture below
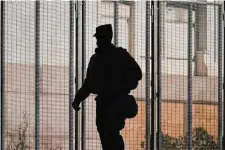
(205, 75)
(132, 36)
(130, 20)
(174, 30)
(20, 115)
(189, 80)
(54, 74)
(19, 77)
(205, 79)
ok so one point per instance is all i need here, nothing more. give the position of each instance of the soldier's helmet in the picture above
(104, 31)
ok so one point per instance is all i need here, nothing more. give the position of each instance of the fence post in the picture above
(223, 74)
(147, 61)
(2, 72)
(116, 21)
(78, 65)
(71, 74)
(37, 76)
(154, 49)
(83, 122)
(220, 75)
(159, 58)
(189, 100)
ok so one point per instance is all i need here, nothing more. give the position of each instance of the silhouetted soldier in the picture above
(112, 73)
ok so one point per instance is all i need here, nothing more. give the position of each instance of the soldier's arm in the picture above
(84, 91)
(80, 96)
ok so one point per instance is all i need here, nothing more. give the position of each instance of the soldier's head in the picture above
(103, 35)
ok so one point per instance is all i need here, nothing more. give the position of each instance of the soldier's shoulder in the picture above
(94, 56)
(122, 51)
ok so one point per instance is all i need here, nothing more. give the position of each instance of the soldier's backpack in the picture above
(130, 68)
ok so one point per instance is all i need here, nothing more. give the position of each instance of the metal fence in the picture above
(37, 75)
(129, 32)
(191, 75)
(45, 49)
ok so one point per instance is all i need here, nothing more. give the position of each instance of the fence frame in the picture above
(83, 121)
(159, 84)
(223, 75)
(147, 62)
(78, 66)
(116, 22)
(153, 85)
(189, 99)
(71, 73)
(220, 74)
(2, 40)
(153, 59)
(37, 75)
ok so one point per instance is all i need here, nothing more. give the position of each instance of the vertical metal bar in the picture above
(163, 24)
(76, 76)
(83, 135)
(220, 76)
(152, 100)
(78, 71)
(2, 71)
(155, 77)
(215, 33)
(37, 75)
(76, 79)
(116, 21)
(189, 103)
(131, 28)
(159, 51)
(147, 62)
(71, 74)
(223, 74)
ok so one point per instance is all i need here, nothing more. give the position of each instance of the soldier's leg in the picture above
(102, 138)
(100, 122)
(114, 141)
(109, 133)
(109, 125)
(111, 139)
